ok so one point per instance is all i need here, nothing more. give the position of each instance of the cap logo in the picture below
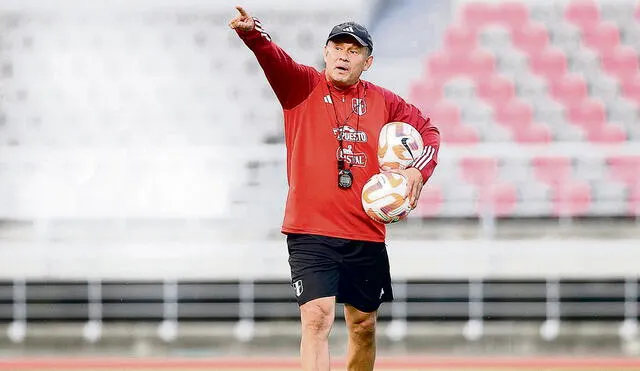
(348, 29)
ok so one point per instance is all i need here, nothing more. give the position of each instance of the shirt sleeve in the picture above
(291, 82)
(401, 111)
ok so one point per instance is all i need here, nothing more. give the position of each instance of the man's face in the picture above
(345, 60)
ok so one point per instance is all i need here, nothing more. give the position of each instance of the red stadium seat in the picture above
(462, 134)
(496, 89)
(607, 134)
(439, 66)
(475, 63)
(621, 62)
(588, 113)
(444, 113)
(631, 88)
(514, 113)
(479, 170)
(478, 63)
(531, 38)
(459, 38)
(511, 13)
(571, 198)
(425, 93)
(550, 63)
(569, 89)
(583, 13)
(497, 198)
(625, 169)
(477, 14)
(430, 201)
(552, 169)
(533, 134)
(603, 37)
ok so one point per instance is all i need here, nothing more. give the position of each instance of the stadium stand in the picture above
(548, 74)
(507, 74)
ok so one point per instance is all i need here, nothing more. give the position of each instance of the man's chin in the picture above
(342, 81)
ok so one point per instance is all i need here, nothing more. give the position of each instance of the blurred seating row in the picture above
(536, 186)
(126, 80)
(535, 73)
(168, 184)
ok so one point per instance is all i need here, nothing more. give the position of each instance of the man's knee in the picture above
(317, 317)
(363, 328)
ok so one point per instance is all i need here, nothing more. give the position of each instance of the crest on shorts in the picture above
(297, 286)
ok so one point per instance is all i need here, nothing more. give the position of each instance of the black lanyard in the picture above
(345, 176)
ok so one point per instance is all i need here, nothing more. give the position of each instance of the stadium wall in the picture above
(268, 260)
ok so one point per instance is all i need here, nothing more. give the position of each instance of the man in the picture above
(331, 121)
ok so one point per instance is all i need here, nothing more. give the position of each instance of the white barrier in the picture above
(268, 260)
(190, 182)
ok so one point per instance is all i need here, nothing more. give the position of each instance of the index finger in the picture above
(242, 11)
(414, 194)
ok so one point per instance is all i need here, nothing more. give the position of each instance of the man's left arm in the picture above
(423, 166)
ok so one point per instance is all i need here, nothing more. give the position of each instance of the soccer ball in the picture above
(399, 144)
(385, 198)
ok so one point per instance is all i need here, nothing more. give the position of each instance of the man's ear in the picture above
(368, 62)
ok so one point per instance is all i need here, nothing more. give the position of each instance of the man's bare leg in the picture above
(317, 318)
(361, 349)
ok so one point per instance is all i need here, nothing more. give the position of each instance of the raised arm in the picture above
(292, 82)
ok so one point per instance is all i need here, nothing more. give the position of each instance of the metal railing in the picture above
(473, 302)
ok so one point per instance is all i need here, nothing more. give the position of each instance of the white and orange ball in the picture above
(385, 197)
(399, 145)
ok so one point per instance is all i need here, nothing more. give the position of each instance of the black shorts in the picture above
(355, 272)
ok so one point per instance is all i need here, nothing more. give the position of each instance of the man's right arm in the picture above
(292, 82)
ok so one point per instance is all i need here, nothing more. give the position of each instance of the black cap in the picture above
(354, 30)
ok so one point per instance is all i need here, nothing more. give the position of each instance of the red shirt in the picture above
(315, 203)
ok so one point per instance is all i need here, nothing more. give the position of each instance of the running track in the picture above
(262, 363)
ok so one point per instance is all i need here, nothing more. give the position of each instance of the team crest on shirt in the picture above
(349, 134)
(352, 158)
(359, 106)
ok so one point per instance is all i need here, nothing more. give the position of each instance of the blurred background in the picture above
(142, 177)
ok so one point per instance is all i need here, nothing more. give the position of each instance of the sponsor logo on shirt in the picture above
(352, 158)
(349, 134)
